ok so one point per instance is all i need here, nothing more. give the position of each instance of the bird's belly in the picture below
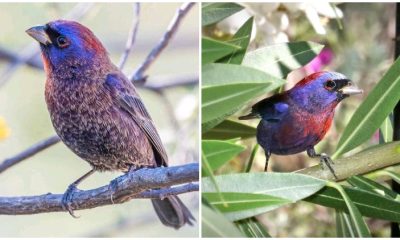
(106, 138)
(290, 137)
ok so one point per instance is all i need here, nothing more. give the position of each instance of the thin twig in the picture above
(11, 56)
(40, 146)
(143, 183)
(79, 11)
(159, 83)
(172, 28)
(132, 36)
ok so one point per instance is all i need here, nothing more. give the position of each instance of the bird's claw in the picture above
(327, 161)
(67, 200)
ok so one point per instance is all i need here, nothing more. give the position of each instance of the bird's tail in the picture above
(251, 115)
(172, 212)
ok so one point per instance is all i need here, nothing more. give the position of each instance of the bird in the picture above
(296, 120)
(98, 113)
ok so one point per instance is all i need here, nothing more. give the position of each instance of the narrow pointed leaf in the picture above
(369, 185)
(252, 228)
(219, 152)
(360, 227)
(372, 112)
(241, 202)
(386, 129)
(215, 225)
(229, 129)
(215, 12)
(227, 88)
(289, 186)
(369, 204)
(212, 50)
(242, 39)
(344, 225)
(280, 59)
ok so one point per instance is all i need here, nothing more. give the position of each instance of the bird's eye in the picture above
(330, 85)
(62, 42)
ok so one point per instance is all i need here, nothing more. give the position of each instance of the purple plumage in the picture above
(296, 120)
(97, 112)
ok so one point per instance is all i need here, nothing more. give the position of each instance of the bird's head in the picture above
(67, 43)
(323, 90)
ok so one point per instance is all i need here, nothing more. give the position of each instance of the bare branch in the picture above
(31, 50)
(132, 36)
(172, 28)
(40, 146)
(159, 83)
(10, 56)
(143, 183)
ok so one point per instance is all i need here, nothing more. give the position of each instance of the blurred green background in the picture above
(23, 107)
(359, 39)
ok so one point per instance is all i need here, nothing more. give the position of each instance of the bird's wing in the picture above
(270, 109)
(126, 97)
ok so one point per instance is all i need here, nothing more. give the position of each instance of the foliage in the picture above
(228, 86)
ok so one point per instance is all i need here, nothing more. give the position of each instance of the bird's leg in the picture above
(267, 156)
(324, 159)
(67, 197)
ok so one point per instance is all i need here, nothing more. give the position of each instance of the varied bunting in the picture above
(296, 120)
(97, 111)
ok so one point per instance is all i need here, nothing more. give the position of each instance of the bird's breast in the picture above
(296, 132)
(87, 121)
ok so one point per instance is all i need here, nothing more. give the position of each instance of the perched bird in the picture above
(296, 120)
(97, 112)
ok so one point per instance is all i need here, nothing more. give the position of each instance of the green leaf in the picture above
(372, 111)
(207, 170)
(251, 158)
(215, 12)
(288, 186)
(360, 227)
(235, 202)
(386, 129)
(214, 225)
(219, 152)
(212, 50)
(280, 59)
(228, 87)
(230, 129)
(369, 204)
(252, 228)
(219, 74)
(344, 225)
(371, 186)
(242, 39)
(395, 176)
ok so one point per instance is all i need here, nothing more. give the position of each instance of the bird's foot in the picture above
(67, 199)
(327, 161)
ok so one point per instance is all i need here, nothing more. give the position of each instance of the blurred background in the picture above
(24, 119)
(358, 39)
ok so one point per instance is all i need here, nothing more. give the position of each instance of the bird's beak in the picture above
(351, 90)
(39, 34)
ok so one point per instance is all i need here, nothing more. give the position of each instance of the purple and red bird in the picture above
(97, 111)
(296, 120)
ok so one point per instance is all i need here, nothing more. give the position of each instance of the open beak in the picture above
(350, 90)
(39, 34)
